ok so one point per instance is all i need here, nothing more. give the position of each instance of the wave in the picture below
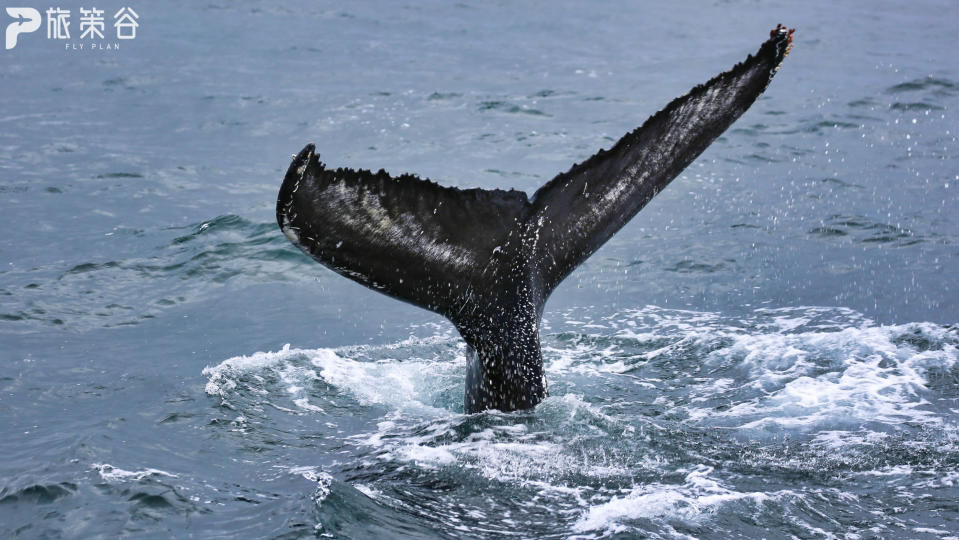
(181, 265)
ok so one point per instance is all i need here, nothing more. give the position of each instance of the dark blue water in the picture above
(769, 349)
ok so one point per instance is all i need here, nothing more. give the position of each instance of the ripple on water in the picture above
(36, 493)
(939, 85)
(509, 108)
(862, 230)
(171, 266)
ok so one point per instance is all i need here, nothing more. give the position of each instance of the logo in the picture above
(28, 20)
(92, 32)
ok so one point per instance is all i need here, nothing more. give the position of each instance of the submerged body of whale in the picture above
(488, 259)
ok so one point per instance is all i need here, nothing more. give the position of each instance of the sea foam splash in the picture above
(649, 409)
(112, 475)
(697, 496)
(805, 369)
(415, 383)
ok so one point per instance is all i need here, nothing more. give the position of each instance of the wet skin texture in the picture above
(489, 259)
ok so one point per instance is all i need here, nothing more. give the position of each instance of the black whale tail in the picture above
(489, 259)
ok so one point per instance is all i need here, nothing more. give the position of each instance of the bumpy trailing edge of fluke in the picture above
(489, 259)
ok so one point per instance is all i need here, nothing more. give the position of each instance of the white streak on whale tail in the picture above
(489, 259)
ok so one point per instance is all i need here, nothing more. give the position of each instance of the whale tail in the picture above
(489, 259)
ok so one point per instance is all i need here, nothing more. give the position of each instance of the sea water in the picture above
(769, 349)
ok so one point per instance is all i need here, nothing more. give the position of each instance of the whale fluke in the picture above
(489, 259)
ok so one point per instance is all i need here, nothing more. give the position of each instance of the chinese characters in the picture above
(92, 23)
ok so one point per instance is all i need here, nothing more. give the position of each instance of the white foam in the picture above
(368, 491)
(112, 474)
(779, 370)
(817, 379)
(304, 403)
(583, 358)
(398, 384)
(836, 439)
(504, 451)
(897, 470)
(697, 497)
(937, 479)
(805, 368)
(929, 530)
(322, 480)
(786, 368)
(221, 377)
(312, 473)
(428, 456)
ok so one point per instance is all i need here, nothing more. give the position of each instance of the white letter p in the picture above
(22, 26)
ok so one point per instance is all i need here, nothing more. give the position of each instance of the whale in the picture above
(488, 259)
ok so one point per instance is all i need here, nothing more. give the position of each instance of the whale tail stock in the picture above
(489, 259)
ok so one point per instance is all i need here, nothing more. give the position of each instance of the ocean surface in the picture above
(769, 349)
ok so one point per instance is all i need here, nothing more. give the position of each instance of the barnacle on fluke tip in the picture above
(778, 31)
